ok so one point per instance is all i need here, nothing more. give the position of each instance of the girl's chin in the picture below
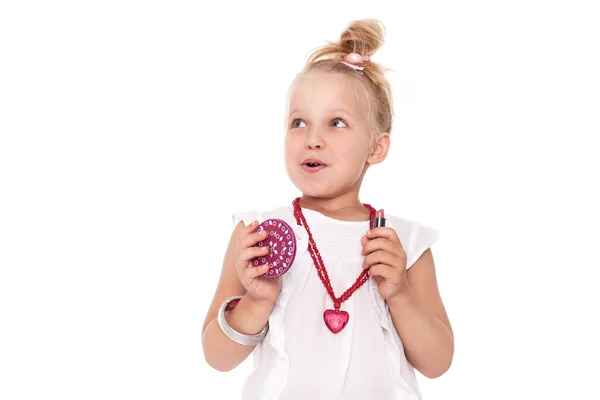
(314, 190)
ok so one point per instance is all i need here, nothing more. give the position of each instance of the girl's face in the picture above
(328, 125)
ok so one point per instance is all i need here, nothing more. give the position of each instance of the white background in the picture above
(131, 131)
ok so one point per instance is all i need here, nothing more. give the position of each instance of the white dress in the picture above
(300, 358)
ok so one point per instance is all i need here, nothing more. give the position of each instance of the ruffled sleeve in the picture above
(247, 216)
(422, 237)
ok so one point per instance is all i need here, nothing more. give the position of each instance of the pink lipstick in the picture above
(379, 219)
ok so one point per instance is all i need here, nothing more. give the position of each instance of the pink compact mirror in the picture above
(282, 244)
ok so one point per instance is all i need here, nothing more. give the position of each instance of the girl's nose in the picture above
(315, 141)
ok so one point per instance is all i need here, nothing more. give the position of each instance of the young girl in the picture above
(359, 308)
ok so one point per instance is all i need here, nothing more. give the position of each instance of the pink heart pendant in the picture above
(335, 320)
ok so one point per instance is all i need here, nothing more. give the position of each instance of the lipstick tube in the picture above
(379, 219)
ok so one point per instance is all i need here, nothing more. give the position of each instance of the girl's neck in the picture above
(347, 207)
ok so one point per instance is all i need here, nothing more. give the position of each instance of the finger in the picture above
(382, 257)
(384, 271)
(383, 232)
(370, 246)
(246, 255)
(378, 257)
(252, 238)
(254, 271)
(249, 228)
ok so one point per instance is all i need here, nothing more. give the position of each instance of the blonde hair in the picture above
(363, 37)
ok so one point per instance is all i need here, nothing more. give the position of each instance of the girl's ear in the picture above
(380, 149)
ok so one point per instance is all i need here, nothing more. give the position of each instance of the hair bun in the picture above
(364, 36)
(357, 44)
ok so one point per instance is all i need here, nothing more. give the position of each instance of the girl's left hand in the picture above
(386, 260)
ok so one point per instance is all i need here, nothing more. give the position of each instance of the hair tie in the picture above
(353, 58)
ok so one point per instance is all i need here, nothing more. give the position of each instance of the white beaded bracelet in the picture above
(246, 340)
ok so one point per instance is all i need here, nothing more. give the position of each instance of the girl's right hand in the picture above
(257, 286)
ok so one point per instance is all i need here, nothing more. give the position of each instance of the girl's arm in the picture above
(248, 317)
(421, 320)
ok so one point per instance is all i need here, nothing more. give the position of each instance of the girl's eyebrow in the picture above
(342, 111)
(334, 111)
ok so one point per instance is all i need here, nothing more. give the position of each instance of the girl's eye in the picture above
(296, 122)
(340, 120)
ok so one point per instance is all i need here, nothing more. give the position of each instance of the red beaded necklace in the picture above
(335, 319)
